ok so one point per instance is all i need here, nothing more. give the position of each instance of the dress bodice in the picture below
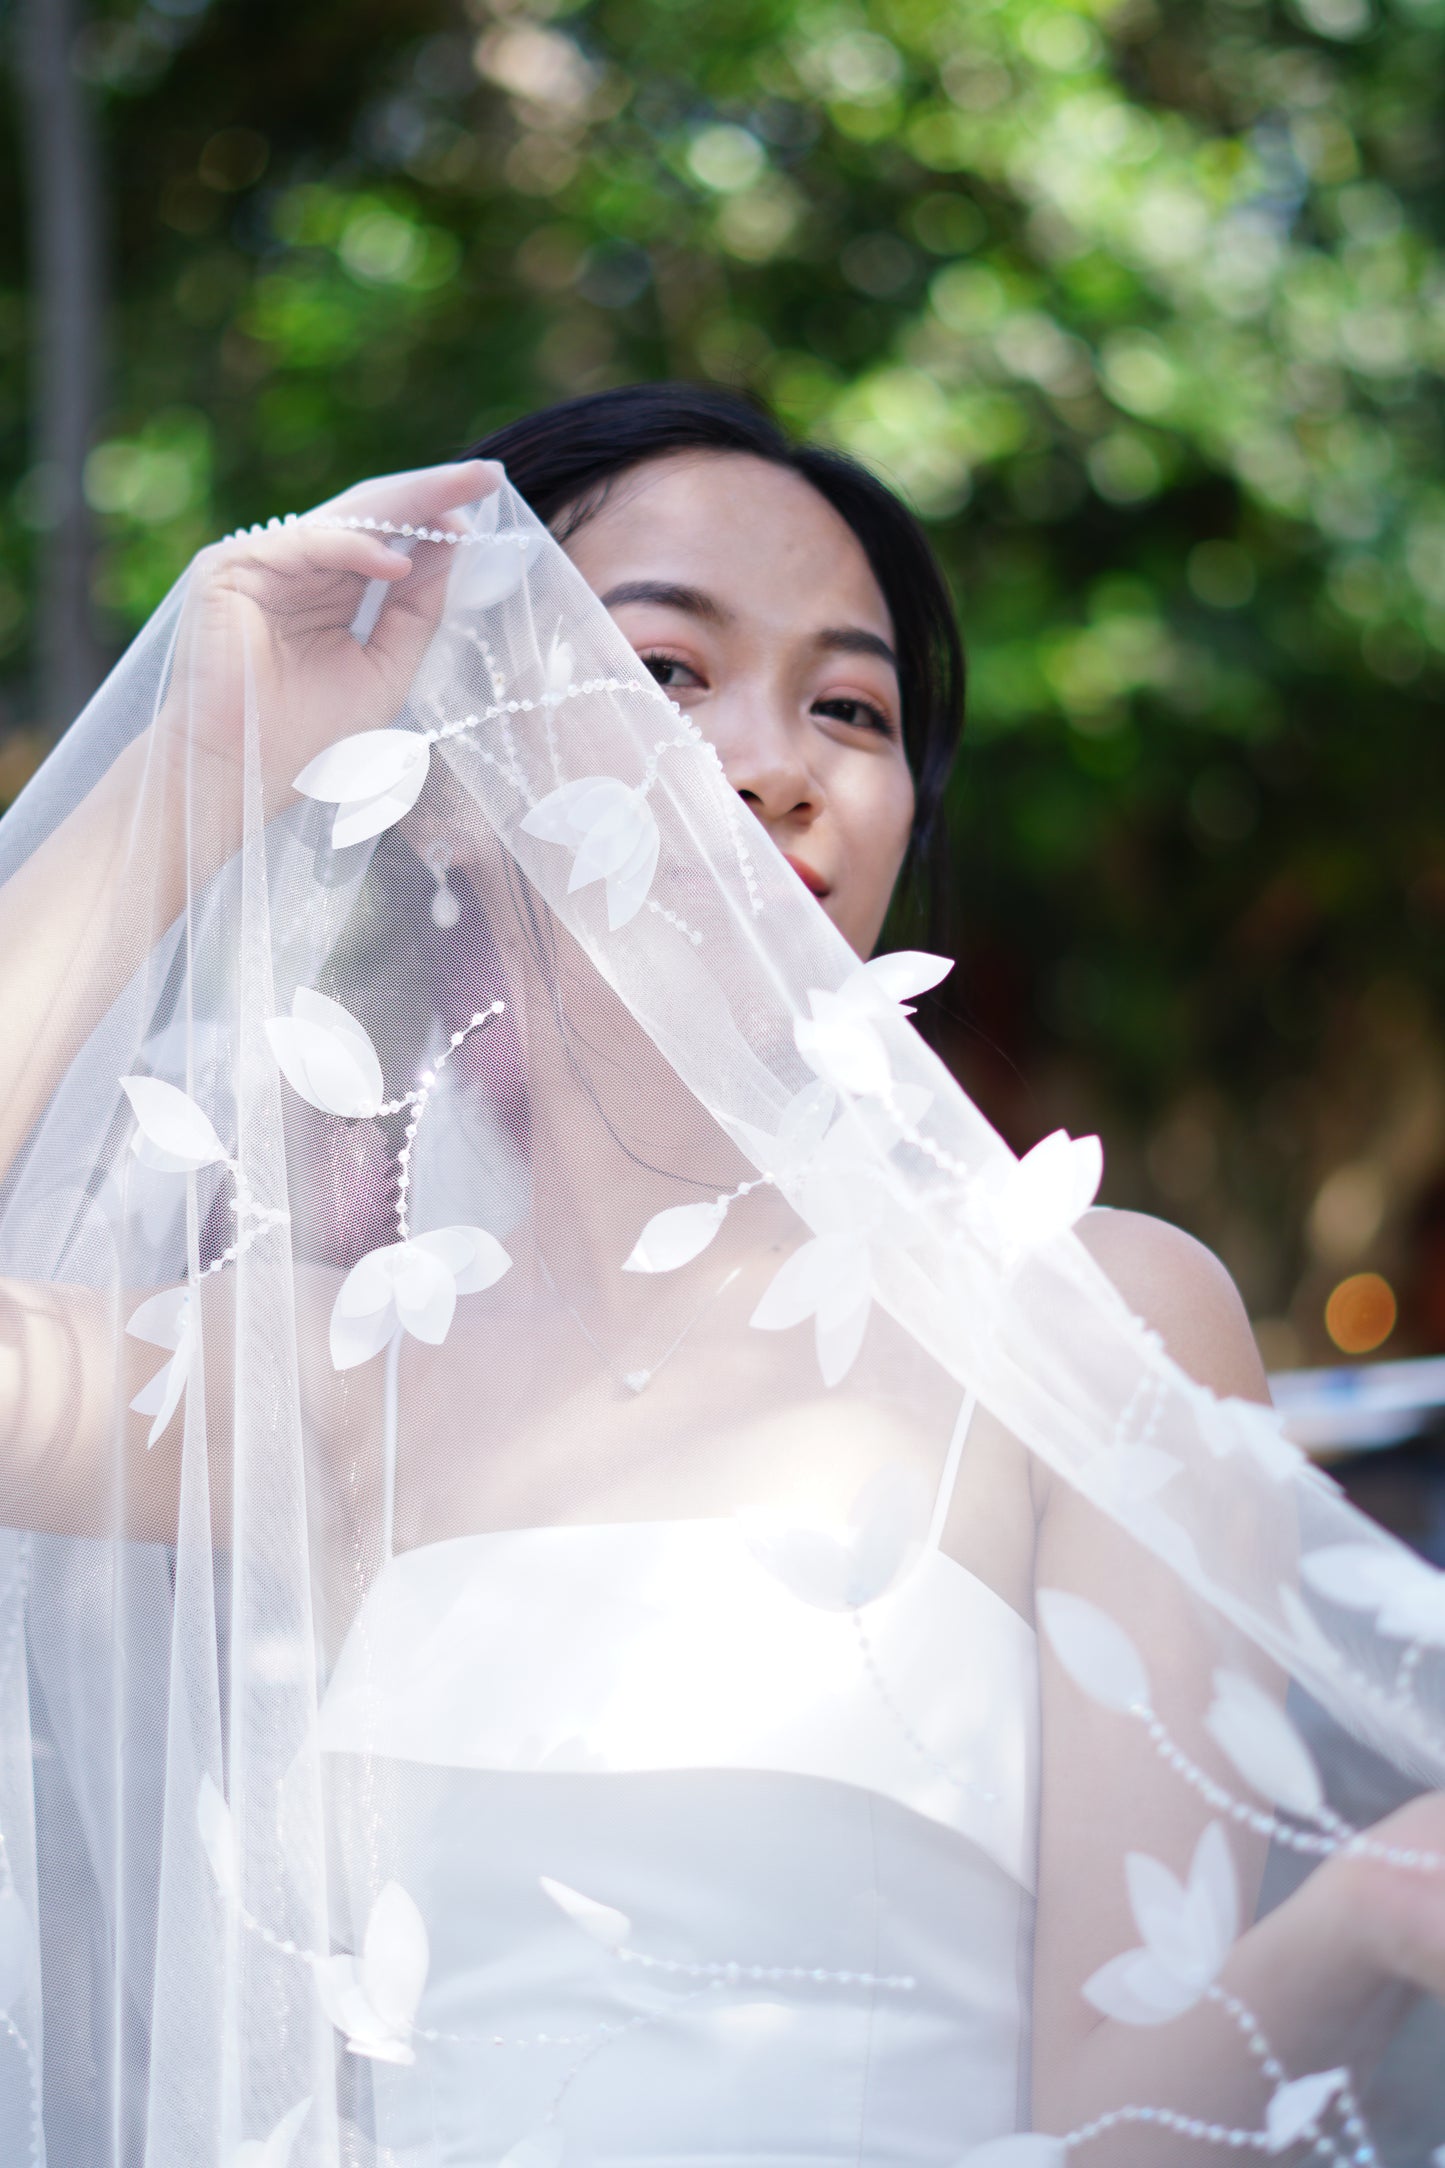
(818, 1824)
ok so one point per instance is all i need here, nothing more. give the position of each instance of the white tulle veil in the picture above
(458, 1123)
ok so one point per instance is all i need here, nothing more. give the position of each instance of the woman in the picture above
(661, 1591)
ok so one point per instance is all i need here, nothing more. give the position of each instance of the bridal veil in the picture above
(498, 1307)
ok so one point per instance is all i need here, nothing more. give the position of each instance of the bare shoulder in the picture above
(1180, 1288)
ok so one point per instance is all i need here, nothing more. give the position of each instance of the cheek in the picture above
(878, 817)
(874, 822)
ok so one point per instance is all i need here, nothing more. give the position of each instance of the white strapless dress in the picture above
(820, 1826)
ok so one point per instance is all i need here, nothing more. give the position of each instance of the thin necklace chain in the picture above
(636, 1381)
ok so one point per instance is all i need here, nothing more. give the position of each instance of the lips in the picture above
(810, 880)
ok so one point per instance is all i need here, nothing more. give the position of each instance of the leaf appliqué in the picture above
(411, 1286)
(893, 980)
(173, 1136)
(674, 1237)
(327, 1056)
(1187, 1931)
(488, 572)
(274, 2151)
(847, 1568)
(1231, 1426)
(840, 1042)
(1406, 1596)
(1250, 1727)
(1023, 1205)
(1298, 2105)
(1094, 1650)
(610, 830)
(372, 1999)
(218, 1839)
(603, 1924)
(164, 1320)
(373, 779)
(830, 1280)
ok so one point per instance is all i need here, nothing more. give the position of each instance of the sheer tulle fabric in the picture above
(531, 1394)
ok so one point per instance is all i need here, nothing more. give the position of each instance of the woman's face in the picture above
(752, 602)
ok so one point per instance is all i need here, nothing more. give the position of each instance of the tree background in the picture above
(1142, 302)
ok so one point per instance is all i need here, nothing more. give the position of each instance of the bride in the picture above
(596, 1573)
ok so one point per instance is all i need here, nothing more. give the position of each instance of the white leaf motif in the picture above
(162, 1319)
(1406, 1596)
(1096, 1653)
(1296, 2107)
(1233, 1425)
(165, 1320)
(609, 828)
(1136, 1989)
(326, 1056)
(1188, 1928)
(844, 1569)
(1263, 1744)
(674, 1237)
(802, 1127)
(604, 1923)
(394, 1956)
(890, 981)
(17, 1951)
(372, 779)
(1187, 1933)
(175, 1137)
(373, 1999)
(1020, 1206)
(804, 1122)
(487, 571)
(840, 1043)
(558, 674)
(218, 1839)
(830, 1280)
(276, 2150)
(411, 1286)
(475, 1259)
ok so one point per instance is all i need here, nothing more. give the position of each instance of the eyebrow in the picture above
(670, 597)
(853, 640)
(835, 639)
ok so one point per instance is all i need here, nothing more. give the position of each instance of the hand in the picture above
(1392, 1916)
(268, 618)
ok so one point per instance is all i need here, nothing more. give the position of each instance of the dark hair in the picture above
(563, 460)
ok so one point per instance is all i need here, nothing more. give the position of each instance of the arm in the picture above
(1326, 1974)
(267, 616)
(264, 673)
(75, 1460)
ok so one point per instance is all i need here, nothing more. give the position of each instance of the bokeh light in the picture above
(1141, 306)
(1361, 1312)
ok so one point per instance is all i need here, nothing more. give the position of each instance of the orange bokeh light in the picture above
(1360, 1314)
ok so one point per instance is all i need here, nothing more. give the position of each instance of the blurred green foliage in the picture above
(1141, 301)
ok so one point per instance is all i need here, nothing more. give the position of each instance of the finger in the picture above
(298, 550)
(421, 497)
(373, 595)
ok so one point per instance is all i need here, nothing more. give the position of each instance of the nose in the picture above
(764, 753)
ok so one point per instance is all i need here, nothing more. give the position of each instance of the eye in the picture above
(671, 672)
(858, 715)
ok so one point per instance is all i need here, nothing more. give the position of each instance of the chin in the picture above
(862, 943)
